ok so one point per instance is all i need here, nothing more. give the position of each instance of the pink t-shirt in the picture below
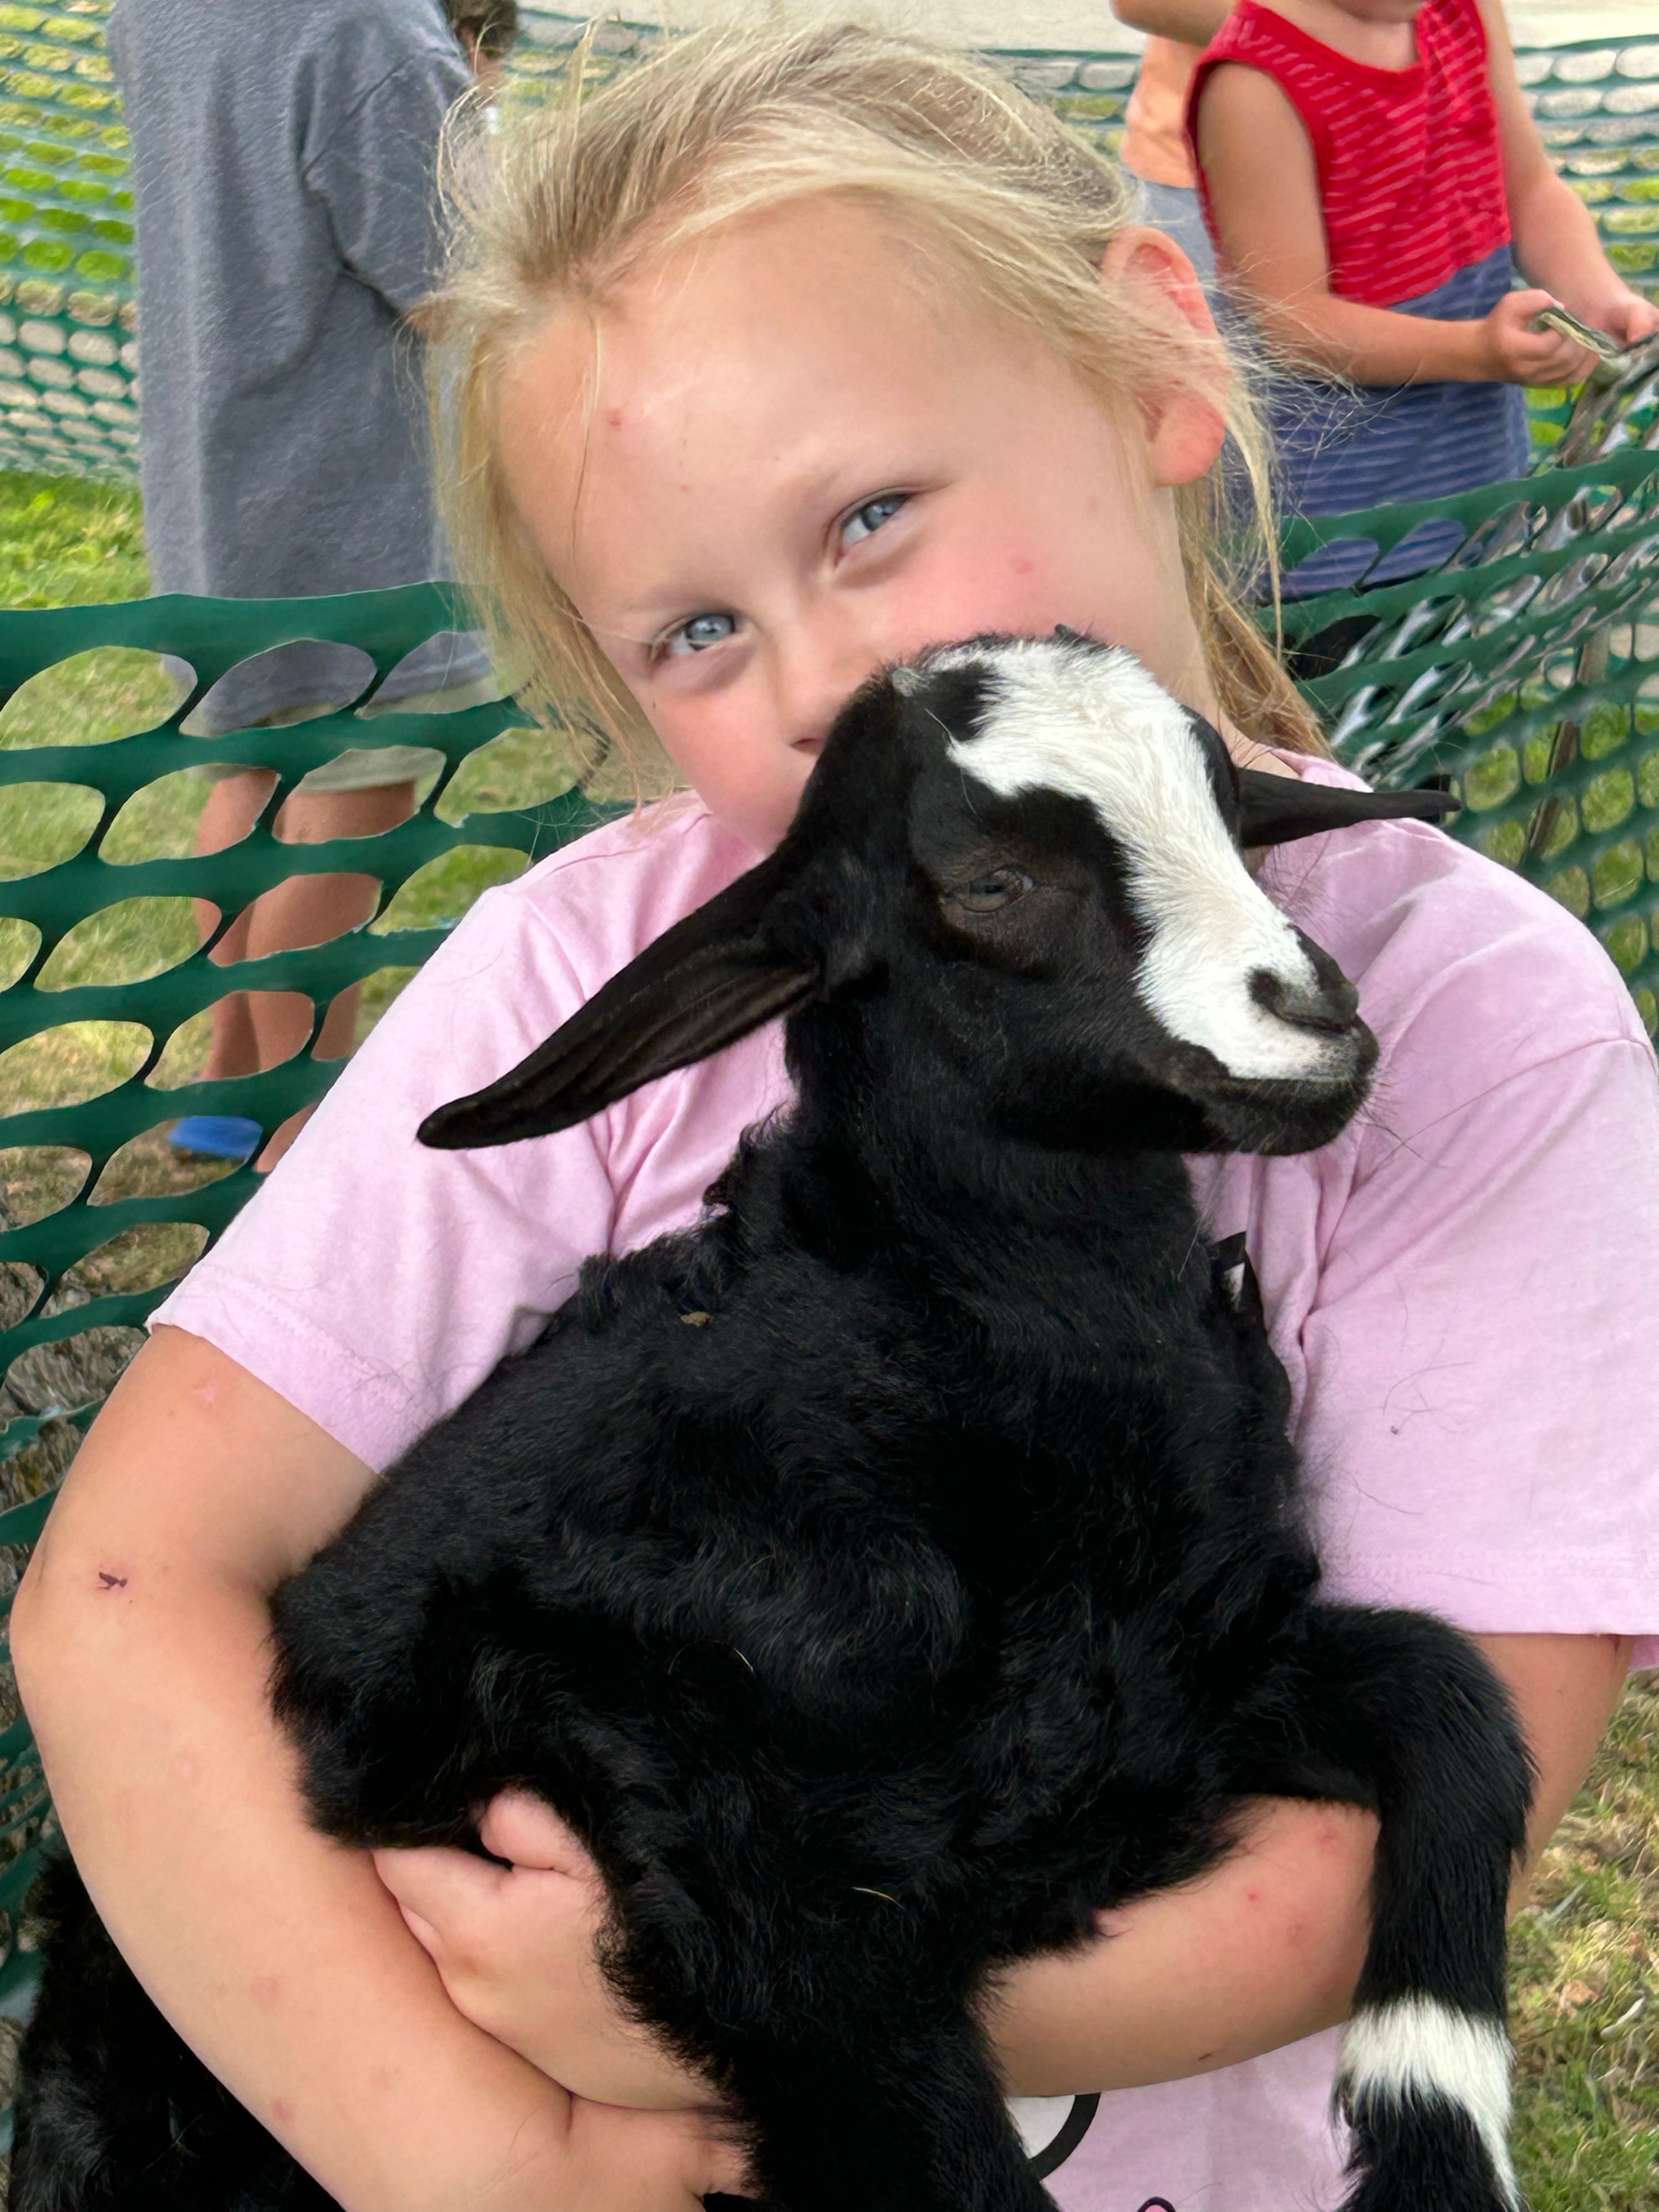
(1463, 1288)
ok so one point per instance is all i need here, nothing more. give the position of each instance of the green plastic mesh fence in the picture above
(110, 979)
(69, 393)
(68, 363)
(1597, 110)
(1526, 670)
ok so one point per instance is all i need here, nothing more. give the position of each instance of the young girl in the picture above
(781, 357)
(1373, 179)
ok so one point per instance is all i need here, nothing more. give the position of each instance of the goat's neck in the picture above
(911, 1165)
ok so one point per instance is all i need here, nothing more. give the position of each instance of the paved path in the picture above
(1090, 26)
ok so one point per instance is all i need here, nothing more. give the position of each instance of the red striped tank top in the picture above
(1410, 171)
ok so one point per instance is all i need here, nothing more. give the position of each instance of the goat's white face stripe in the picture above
(1417, 2047)
(1097, 727)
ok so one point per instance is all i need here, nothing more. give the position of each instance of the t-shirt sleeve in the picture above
(1479, 1405)
(375, 168)
(374, 1283)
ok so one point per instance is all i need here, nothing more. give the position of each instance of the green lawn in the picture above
(1585, 1984)
(1586, 1954)
(64, 542)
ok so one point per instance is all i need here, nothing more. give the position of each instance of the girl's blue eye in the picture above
(700, 633)
(868, 519)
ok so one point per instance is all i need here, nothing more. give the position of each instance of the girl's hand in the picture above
(515, 1947)
(1518, 353)
(634, 2162)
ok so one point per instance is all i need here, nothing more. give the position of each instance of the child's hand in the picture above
(1624, 315)
(1518, 353)
(633, 2161)
(515, 1948)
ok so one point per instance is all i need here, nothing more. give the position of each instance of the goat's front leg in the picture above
(899, 2116)
(851, 2056)
(1402, 1712)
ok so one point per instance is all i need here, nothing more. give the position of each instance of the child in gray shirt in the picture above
(283, 160)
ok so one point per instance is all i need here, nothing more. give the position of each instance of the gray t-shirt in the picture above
(285, 155)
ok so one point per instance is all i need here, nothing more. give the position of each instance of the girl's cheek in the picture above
(758, 795)
(748, 778)
(691, 740)
(986, 584)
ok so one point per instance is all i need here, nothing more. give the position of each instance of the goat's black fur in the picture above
(896, 1569)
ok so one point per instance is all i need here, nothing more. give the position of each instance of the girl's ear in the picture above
(702, 985)
(1273, 810)
(1187, 428)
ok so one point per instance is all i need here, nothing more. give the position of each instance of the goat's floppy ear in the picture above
(1274, 808)
(704, 983)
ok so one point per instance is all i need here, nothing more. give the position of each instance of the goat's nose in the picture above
(1328, 1004)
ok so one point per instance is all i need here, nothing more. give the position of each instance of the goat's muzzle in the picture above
(1329, 1008)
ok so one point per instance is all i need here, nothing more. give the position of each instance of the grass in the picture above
(1585, 1983)
(64, 542)
(1586, 1976)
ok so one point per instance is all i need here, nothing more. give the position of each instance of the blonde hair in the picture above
(993, 188)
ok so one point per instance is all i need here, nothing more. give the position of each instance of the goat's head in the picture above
(1020, 862)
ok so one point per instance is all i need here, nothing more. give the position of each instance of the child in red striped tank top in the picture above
(1373, 181)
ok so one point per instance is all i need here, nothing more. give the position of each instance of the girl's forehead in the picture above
(833, 238)
(782, 287)
(772, 346)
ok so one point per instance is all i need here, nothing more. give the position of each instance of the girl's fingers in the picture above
(515, 1947)
(1632, 320)
(528, 1832)
(424, 1934)
(445, 1897)
(1528, 356)
(1553, 360)
(658, 2151)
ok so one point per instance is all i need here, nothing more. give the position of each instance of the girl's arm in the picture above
(140, 1641)
(1268, 1948)
(1196, 21)
(1260, 1953)
(1556, 243)
(1264, 188)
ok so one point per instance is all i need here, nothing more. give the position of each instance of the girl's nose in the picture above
(816, 678)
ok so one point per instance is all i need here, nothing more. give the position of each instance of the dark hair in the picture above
(492, 26)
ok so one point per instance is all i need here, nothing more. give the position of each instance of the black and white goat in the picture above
(907, 1562)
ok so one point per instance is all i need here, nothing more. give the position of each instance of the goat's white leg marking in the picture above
(1417, 2046)
(1096, 727)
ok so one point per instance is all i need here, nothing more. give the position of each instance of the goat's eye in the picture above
(986, 894)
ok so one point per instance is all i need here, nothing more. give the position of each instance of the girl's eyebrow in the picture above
(641, 620)
(824, 492)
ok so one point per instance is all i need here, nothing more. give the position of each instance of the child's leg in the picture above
(262, 1028)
